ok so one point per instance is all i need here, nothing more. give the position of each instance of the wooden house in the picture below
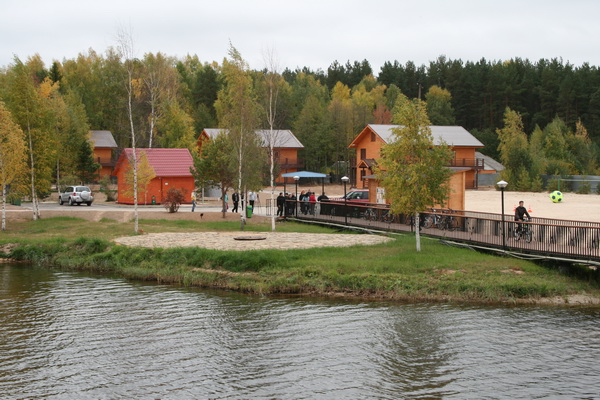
(285, 147)
(465, 165)
(172, 169)
(104, 145)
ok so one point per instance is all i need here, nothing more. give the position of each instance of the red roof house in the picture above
(172, 169)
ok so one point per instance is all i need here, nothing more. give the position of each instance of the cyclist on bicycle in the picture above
(520, 213)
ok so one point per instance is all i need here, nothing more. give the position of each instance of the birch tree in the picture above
(273, 82)
(12, 155)
(31, 113)
(160, 84)
(412, 169)
(145, 173)
(126, 50)
(237, 112)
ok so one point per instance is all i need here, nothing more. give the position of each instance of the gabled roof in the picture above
(489, 164)
(455, 136)
(166, 162)
(284, 138)
(103, 139)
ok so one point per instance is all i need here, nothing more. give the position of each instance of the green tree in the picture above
(514, 150)
(238, 112)
(412, 169)
(439, 106)
(160, 85)
(30, 111)
(176, 128)
(143, 176)
(12, 155)
(216, 165)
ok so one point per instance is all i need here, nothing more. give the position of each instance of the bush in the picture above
(173, 200)
(585, 188)
(105, 185)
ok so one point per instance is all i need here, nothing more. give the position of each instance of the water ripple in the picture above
(65, 336)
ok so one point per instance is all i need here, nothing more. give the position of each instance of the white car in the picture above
(76, 195)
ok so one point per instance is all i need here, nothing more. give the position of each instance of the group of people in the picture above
(307, 199)
(235, 198)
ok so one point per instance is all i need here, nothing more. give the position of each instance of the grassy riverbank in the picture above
(392, 270)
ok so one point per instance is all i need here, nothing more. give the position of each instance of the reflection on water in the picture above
(66, 336)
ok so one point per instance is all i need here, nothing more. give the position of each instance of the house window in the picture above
(372, 136)
(363, 154)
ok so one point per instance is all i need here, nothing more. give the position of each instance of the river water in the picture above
(76, 336)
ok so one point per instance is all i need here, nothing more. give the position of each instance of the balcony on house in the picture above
(290, 163)
(106, 161)
(474, 163)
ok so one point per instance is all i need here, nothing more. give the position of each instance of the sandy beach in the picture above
(578, 207)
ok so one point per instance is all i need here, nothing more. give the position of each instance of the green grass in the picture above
(393, 270)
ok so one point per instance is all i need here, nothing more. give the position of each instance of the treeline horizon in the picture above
(174, 98)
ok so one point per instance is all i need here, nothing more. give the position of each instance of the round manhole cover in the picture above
(249, 237)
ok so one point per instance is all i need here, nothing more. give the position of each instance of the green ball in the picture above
(556, 196)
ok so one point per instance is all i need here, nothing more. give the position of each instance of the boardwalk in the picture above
(574, 240)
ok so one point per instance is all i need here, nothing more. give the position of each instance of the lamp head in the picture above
(345, 179)
(296, 178)
(502, 184)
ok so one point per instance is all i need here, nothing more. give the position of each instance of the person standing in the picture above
(313, 200)
(225, 203)
(280, 204)
(235, 197)
(251, 198)
(193, 201)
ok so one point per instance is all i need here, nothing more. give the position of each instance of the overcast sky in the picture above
(310, 33)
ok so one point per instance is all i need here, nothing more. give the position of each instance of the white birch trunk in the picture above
(152, 122)
(417, 231)
(134, 156)
(34, 204)
(240, 154)
(3, 207)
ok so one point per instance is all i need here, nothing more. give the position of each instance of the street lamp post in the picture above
(345, 179)
(296, 179)
(502, 185)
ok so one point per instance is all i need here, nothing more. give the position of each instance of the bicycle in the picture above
(431, 219)
(524, 231)
(370, 215)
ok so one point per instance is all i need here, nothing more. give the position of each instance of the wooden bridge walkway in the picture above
(550, 238)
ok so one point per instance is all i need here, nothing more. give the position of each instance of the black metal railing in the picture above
(542, 236)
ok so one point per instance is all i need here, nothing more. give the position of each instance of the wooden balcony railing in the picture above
(288, 163)
(475, 163)
(106, 162)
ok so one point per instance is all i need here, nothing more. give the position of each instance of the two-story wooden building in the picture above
(285, 148)
(465, 164)
(104, 145)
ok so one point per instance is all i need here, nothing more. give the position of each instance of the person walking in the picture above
(193, 201)
(235, 197)
(251, 198)
(225, 203)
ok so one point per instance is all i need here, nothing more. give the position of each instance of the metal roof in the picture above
(166, 162)
(284, 138)
(452, 135)
(103, 139)
(489, 164)
(305, 174)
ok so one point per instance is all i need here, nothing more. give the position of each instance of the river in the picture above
(67, 335)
